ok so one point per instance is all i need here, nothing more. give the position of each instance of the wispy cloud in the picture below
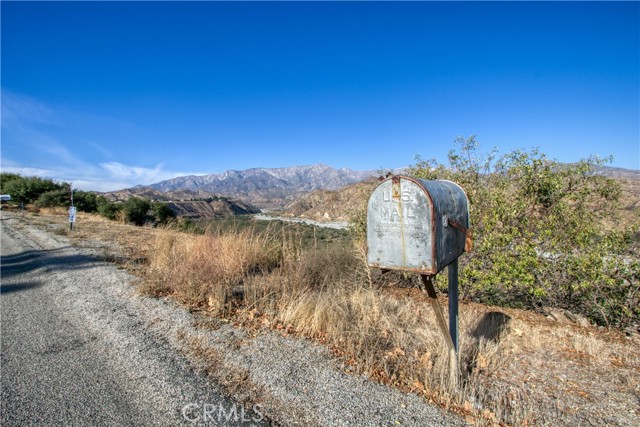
(32, 145)
(9, 166)
(27, 130)
(100, 149)
(57, 152)
(108, 176)
(20, 110)
(134, 175)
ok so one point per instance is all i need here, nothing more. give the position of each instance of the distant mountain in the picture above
(630, 183)
(267, 187)
(619, 173)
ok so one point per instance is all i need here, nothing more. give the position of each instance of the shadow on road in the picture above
(51, 260)
(16, 287)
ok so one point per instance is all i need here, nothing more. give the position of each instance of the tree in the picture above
(5, 179)
(28, 189)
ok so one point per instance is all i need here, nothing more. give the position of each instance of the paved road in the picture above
(74, 352)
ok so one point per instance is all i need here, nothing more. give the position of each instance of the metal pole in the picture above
(453, 302)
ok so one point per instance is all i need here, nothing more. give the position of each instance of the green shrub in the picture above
(28, 189)
(135, 210)
(543, 233)
(6, 179)
(108, 209)
(85, 201)
(189, 226)
(55, 198)
(162, 212)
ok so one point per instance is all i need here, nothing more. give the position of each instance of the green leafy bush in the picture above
(85, 201)
(108, 209)
(55, 198)
(162, 213)
(543, 233)
(5, 179)
(46, 193)
(135, 210)
(28, 189)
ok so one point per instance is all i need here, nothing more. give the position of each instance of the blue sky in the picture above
(110, 95)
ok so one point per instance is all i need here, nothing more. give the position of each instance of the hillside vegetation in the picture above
(139, 206)
(189, 204)
(44, 192)
(546, 234)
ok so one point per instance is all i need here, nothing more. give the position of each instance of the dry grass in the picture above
(516, 367)
(325, 294)
(203, 271)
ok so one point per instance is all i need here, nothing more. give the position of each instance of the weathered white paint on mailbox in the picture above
(409, 224)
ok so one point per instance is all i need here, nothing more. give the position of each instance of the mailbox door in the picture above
(450, 203)
(400, 232)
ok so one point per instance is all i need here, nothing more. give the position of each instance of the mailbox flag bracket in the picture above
(468, 242)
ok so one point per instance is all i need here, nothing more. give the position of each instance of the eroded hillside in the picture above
(329, 205)
(188, 203)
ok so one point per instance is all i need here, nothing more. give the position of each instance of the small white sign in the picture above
(72, 214)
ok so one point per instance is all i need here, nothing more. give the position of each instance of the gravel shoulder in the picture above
(81, 346)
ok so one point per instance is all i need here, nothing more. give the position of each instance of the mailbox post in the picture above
(421, 226)
(72, 217)
(452, 269)
(72, 210)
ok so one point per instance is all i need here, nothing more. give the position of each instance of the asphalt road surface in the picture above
(74, 352)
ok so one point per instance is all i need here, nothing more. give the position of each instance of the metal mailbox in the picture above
(417, 225)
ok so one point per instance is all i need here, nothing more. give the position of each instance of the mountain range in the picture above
(266, 187)
(317, 191)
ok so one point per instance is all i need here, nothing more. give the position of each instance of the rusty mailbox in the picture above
(416, 225)
(420, 226)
